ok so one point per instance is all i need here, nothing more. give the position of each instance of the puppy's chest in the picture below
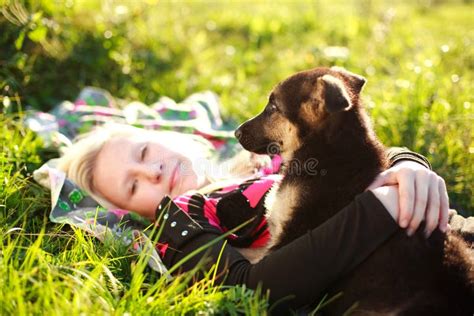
(281, 203)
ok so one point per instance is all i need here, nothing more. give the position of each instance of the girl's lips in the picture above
(174, 177)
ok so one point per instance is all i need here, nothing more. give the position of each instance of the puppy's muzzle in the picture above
(244, 137)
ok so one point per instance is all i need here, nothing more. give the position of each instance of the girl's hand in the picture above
(422, 196)
(388, 196)
(246, 164)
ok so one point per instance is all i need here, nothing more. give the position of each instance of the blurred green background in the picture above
(418, 57)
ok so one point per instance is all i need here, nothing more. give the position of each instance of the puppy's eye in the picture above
(272, 107)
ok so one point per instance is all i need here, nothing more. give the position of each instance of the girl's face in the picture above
(136, 172)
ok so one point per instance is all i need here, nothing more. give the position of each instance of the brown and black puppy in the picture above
(315, 120)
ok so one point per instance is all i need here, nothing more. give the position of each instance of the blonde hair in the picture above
(79, 160)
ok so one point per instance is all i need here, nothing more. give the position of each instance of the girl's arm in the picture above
(399, 154)
(306, 266)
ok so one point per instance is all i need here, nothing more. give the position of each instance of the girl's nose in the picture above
(151, 171)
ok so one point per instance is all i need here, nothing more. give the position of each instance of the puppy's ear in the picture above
(356, 81)
(332, 94)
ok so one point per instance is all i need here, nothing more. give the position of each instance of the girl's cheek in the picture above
(153, 198)
(191, 183)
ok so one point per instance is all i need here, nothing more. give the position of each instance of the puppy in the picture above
(316, 121)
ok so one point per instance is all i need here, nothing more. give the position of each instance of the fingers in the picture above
(422, 196)
(388, 177)
(422, 186)
(378, 182)
(407, 194)
(444, 200)
(433, 209)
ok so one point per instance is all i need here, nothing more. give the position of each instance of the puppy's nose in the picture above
(238, 133)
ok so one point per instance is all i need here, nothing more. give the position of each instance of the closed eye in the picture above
(133, 189)
(143, 152)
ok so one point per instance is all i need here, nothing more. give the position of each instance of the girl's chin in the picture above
(188, 183)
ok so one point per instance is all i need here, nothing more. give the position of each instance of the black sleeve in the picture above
(306, 266)
(396, 154)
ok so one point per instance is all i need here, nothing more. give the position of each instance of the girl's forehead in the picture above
(121, 140)
(131, 142)
(135, 137)
(143, 136)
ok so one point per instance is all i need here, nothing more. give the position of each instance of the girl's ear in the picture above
(332, 94)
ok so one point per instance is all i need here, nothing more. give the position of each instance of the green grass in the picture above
(418, 57)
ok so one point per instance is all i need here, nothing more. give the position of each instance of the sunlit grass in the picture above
(80, 279)
(56, 270)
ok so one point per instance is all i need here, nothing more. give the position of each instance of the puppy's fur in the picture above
(316, 116)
